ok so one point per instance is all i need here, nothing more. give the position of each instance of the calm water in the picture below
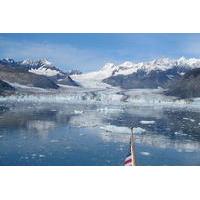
(93, 135)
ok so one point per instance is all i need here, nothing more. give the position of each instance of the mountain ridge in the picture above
(41, 67)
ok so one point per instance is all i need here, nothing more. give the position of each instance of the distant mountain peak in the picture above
(38, 67)
(108, 66)
(7, 60)
(127, 64)
(45, 62)
(40, 62)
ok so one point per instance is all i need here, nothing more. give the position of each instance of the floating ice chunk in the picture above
(147, 122)
(54, 141)
(138, 130)
(192, 120)
(116, 129)
(179, 133)
(41, 156)
(108, 110)
(78, 111)
(144, 153)
(122, 129)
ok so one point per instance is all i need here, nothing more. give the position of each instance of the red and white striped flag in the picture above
(130, 158)
(128, 161)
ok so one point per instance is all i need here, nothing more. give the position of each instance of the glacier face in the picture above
(91, 96)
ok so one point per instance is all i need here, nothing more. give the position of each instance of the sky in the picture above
(88, 52)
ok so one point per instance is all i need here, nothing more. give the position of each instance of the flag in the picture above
(130, 158)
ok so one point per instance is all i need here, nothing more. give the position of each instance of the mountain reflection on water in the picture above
(97, 135)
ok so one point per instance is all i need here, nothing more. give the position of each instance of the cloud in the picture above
(63, 55)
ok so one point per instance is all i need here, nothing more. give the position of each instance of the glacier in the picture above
(107, 96)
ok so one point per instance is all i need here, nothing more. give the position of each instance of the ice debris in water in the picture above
(78, 111)
(147, 122)
(179, 133)
(115, 129)
(41, 156)
(138, 130)
(122, 129)
(144, 153)
(192, 120)
(54, 141)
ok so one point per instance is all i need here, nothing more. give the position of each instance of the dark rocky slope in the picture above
(5, 88)
(142, 79)
(188, 86)
(24, 77)
(42, 64)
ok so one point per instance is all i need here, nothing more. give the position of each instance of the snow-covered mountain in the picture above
(39, 67)
(128, 75)
(42, 67)
(152, 74)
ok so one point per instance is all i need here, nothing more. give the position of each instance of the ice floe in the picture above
(147, 122)
(192, 120)
(78, 111)
(115, 129)
(138, 130)
(144, 153)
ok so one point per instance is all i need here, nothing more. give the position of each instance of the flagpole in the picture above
(133, 155)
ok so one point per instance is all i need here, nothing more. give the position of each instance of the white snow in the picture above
(128, 67)
(147, 122)
(43, 62)
(93, 79)
(44, 71)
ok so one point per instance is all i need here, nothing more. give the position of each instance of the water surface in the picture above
(80, 135)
